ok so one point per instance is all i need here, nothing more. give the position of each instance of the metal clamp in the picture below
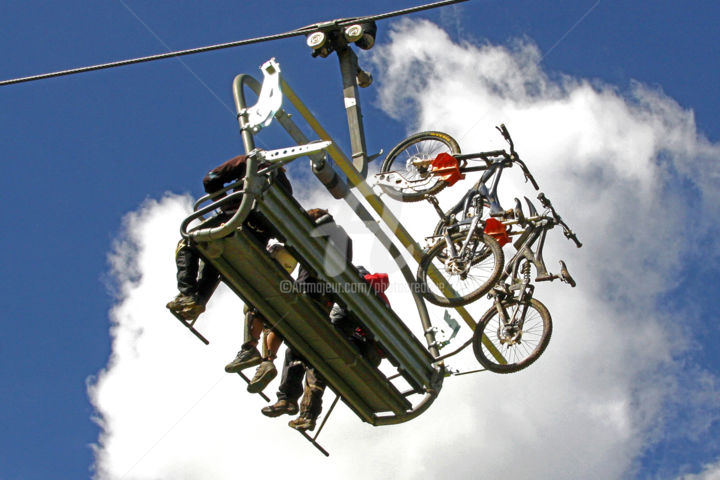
(396, 181)
(269, 101)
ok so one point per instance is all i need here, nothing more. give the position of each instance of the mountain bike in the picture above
(427, 162)
(470, 262)
(518, 325)
(481, 196)
(470, 268)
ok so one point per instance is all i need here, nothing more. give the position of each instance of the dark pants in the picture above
(193, 277)
(200, 279)
(291, 384)
(291, 387)
(311, 404)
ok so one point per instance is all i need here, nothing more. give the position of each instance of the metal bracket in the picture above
(396, 181)
(452, 323)
(270, 99)
(284, 155)
(370, 158)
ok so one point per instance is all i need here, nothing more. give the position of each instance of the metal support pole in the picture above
(349, 70)
(327, 415)
(239, 95)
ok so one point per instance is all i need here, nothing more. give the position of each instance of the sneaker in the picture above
(245, 358)
(281, 407)
(264, 375)
(302, 423)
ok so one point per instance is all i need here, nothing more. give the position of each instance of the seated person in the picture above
(196, 284)
(255, 324)
(311, 404)
(351, 327)
(249, 355)
(295, 366)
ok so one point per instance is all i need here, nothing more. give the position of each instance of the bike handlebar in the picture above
(567, 231)
(528, 175)
(515, 157)
(506, 135)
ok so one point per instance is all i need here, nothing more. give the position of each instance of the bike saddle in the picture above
(565, 275)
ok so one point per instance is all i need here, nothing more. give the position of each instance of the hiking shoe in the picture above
(186, 306)
(264, 375)
(181, 301)
(191, 312)
(281, 407)
(245, 358)
(302, 423)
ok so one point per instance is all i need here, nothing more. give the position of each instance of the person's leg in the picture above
(311, 404)
(185, 304)
(187, 262)
(207, 281)
(272, 342)
(266, 371)
(290, 389)
(315, 386)
(248, 356)
(253, 327)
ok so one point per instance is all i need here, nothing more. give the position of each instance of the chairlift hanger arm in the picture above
(238, 43)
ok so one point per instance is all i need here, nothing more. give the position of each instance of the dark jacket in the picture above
(338, 239)
(232, 171)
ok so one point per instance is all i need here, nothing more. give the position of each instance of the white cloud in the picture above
(590, 407)
(708, 472)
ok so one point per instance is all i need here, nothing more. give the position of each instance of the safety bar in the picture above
(252, 189)
(202, 212)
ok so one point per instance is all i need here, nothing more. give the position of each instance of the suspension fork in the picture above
(454, 253)
(445, 219)
(471, 232)
(526, 295)
(519, 307)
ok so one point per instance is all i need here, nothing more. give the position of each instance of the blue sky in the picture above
(83, 151)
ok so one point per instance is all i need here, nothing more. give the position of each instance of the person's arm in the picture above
(229, 171)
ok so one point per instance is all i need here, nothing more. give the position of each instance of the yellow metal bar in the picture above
(377, 204)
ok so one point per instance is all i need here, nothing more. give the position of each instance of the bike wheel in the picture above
(403, 158)
(467, 277)
(520, 347)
